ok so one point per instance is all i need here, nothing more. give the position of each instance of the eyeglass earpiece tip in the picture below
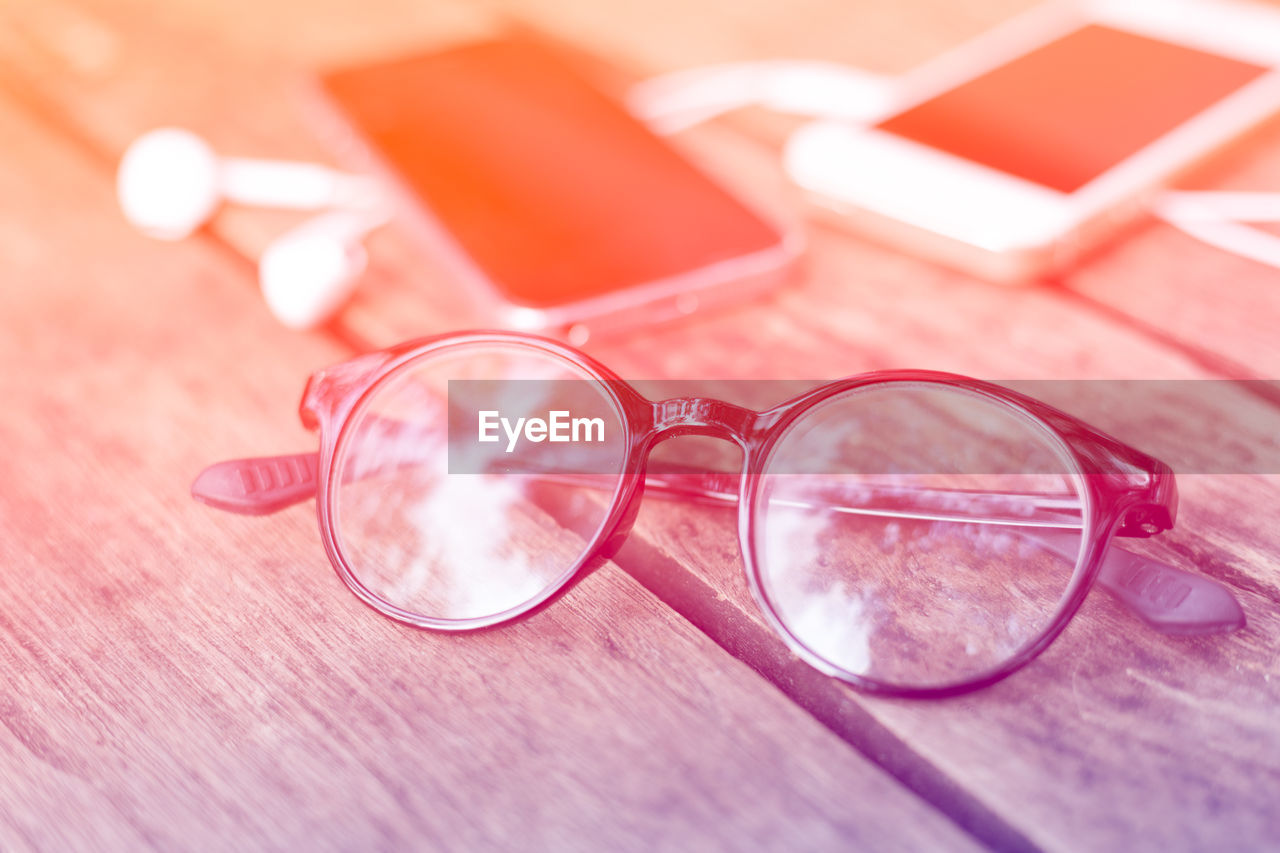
(258, 486)
(1169, 599)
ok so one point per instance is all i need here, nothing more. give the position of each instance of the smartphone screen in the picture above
(1067, 112)
(555, 192)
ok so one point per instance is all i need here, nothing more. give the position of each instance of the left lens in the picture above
(917, 535)
(448, 509)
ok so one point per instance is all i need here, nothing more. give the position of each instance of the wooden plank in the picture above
(1203, 299)
(1141, 759)
(178, 678)
(1118, 736)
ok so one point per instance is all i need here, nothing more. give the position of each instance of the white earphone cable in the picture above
(1217, 218)
(672, 102)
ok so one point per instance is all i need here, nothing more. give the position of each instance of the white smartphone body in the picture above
(1012, 154)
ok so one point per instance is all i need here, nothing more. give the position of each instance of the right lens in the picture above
(918, 535)
(450, 509)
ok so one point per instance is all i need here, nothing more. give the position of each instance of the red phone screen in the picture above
(555, 192)
(1065, 113)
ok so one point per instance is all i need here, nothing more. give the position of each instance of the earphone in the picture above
(308, 272)
(171, 181)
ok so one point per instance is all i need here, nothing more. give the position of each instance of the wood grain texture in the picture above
(1116, 738)
(178, 678)
(1210, 302)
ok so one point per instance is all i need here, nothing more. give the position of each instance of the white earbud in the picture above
(309, 272)
(170, 182)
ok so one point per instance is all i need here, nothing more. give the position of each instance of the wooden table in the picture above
(179, 678)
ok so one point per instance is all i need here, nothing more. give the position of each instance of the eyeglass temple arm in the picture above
(258, 486)
(1168, 599)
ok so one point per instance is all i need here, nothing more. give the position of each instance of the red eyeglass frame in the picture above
(1127, 494)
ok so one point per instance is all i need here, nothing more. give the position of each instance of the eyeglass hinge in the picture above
(328, 389)
(1144, 520)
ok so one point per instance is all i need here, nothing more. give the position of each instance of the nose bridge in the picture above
(702, 416)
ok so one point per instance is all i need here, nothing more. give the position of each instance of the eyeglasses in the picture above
(911, 533)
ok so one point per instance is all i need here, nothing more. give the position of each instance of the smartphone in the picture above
(544, 197)
(1013, 154)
